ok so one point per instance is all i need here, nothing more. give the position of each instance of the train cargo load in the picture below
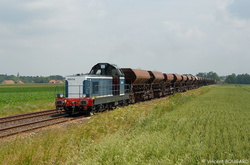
(136, 76)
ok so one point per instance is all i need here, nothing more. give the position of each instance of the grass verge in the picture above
(196, 127)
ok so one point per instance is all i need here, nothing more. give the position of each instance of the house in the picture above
(59, 81)
(20, 82)
(8, 82)
(52, 81)
(55, 81)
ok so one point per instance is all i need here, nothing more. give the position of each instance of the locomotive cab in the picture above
(106, 69)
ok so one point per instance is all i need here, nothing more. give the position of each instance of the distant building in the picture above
(55, 81)
(59, 81)
(52, 81)
(20, 82)
(8, 82)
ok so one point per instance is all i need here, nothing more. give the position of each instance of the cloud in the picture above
(240, 9)
(168, 36)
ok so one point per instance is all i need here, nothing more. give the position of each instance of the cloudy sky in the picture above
(50, 37)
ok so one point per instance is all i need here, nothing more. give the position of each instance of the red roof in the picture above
(20, 82)
(8, 82)
(52, 81)
(55, 81)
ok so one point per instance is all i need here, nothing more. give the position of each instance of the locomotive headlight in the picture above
(60, 96)
(84, 95)
(84, 102)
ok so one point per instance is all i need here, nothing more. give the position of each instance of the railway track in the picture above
(16, 124)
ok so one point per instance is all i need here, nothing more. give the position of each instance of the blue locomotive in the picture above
(101, 89)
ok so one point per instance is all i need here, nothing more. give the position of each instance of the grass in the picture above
(20, 98)
(201, 126)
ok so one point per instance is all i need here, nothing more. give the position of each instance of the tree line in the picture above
(230, 79)
(30, 79)
(238, 79)
(211, 75)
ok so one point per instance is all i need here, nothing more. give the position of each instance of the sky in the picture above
(65, 37)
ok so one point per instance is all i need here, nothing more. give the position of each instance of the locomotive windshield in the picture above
(96, 72)
(106, 69)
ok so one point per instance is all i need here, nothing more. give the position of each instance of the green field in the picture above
(20, 98)
(209, 125)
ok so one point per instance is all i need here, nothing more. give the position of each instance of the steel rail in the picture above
(36, 127)
(2, 119)
(28, 117)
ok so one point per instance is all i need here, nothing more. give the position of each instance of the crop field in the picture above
(19, 98)
(209, 125)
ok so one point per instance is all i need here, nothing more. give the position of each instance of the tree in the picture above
(239, 79)
(201, 75)
(231, 79)
(41, 79)
(56, 77)
(210, 74)
(243, 79)
(213, 75)
(29, 79)
(187, 75)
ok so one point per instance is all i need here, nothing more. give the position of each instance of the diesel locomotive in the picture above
(107, 86)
